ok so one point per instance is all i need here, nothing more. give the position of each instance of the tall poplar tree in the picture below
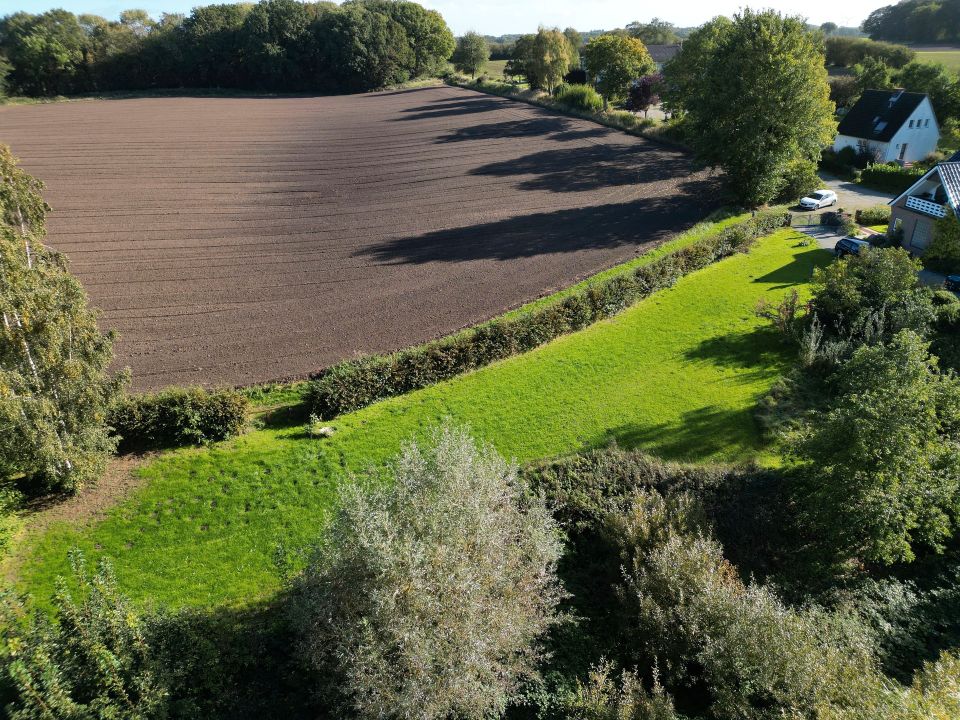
(55, 386)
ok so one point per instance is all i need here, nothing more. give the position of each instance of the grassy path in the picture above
(678, 375)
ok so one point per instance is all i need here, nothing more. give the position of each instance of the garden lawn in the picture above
(678, 375)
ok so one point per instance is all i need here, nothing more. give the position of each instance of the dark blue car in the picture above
(850, 246)
(952, 283)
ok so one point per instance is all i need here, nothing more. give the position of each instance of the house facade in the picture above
(891, 125)
(915, 211)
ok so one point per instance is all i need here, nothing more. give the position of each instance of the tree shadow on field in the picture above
(696, 436)
(605, 226)
(751, 354)
(450, 109)
(533, 127)
(591, 167)
(799, 270)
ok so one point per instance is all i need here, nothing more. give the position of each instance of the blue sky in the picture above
(497, 17)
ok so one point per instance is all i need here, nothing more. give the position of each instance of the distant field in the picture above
(495, 68)
(242, 240)
(678, 375)
(948, 58)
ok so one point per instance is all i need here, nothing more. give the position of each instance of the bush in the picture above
(736, 650)
(94, 661)
(890, 178)
(576, 77)
(799, 180)
(944, 298)
(433, 586)
(353, 384)
(579, 97)
(871, 296)
(877, 215)
(943, 254)
(178, 416)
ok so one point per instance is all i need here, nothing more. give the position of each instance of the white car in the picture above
(819, 199)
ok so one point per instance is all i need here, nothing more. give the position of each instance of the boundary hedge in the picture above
(177, 416)
(353, 384)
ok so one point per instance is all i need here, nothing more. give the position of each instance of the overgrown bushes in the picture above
(877, 215)
(890, 178)
(177, 416)
(354, 384)
(579, 97)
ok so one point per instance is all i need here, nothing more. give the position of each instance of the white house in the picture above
(891, 125)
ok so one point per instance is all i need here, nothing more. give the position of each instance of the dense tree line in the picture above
(273, 45)
(917, 21)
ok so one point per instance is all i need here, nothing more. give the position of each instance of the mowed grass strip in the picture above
(948, 58)
(677, 375)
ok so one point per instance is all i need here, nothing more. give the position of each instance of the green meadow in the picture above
(677, 375)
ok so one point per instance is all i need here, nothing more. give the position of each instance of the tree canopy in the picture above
(614, 62)
(271, 45)
(55, 386)
(472, 53)
(756, 99)
(433, 586)
(884, 460)
(543, 59)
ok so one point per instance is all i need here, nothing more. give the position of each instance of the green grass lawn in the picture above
(949, 58)
(495, 68)
(677, 375)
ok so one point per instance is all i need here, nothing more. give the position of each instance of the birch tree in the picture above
(55, 386)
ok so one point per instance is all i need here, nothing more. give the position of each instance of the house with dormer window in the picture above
(891, 126)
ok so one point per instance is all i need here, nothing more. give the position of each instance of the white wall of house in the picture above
(920, 133)
(843, 141)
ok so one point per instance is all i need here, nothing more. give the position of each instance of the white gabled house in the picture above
(891, 125)
(913, 212)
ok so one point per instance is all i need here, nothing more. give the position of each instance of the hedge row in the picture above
(355, 384)
(876, 215)
(177, 416)
(890, 178)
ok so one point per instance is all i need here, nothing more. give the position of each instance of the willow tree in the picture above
(55, 386)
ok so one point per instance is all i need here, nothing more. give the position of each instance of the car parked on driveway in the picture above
(819, 199)
(850, 246)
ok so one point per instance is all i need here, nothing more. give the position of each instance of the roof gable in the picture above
(662, 53)
(878, 114)
(949, 173)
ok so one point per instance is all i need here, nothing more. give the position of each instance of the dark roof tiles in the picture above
(875, 117)
(662, 53)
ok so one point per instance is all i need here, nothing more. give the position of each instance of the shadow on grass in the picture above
(698, 435)
(752, 354)
(234, 663)
(797, 271)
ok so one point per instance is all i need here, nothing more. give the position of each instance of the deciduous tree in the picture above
(472, 53)
(614, 62)
(55, 386)
(883, 462)
(756, 100)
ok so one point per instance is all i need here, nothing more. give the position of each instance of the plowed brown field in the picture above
(240, 240)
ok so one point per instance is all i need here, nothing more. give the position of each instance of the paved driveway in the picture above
(850, 197)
